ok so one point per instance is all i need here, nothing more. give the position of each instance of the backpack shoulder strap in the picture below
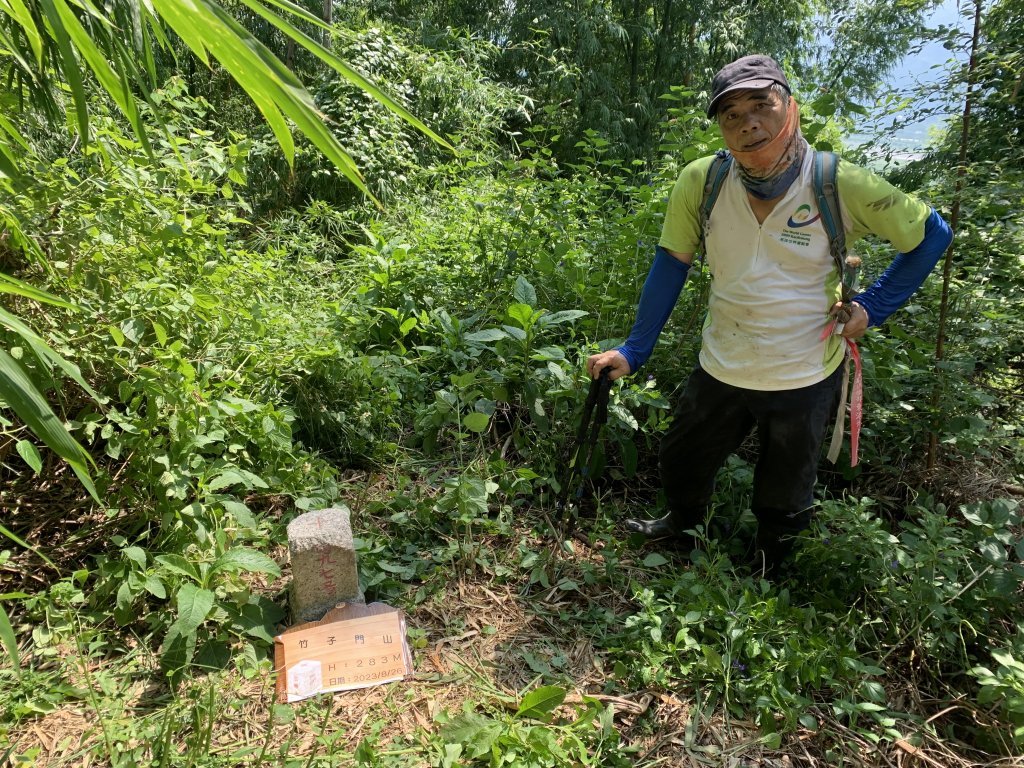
(712, 186)
(826, 193)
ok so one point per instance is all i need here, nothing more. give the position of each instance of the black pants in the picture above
(712, 419)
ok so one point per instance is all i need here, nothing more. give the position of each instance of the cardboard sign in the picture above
(353, 646)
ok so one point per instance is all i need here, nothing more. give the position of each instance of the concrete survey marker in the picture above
(323, 558)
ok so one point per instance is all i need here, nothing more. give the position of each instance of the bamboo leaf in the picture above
(335, 63)
(9, 284)
(18, 237)
(272, 87)
(10, 641)
(8, 127)
(17, 10)
(22, 543)
(175, 13)
(289, 95)
(17, 389)
(43, 351)
(69, 66)
(114, 83)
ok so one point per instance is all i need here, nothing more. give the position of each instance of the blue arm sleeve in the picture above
(907, 272)
(659, 296)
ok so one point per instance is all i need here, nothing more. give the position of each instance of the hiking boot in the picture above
(778, 534)
(771, 554)
(669, 526)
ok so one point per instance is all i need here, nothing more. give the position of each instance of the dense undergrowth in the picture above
(258, 350)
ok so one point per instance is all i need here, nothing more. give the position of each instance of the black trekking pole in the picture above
(595, 415)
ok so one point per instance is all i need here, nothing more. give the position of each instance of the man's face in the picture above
(750, 119)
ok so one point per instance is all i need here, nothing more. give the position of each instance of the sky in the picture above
(925, 66)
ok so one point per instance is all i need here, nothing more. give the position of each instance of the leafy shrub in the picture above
(1003, 690)
(449, 91)
(191, 341)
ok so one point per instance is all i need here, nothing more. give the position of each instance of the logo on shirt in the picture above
(802, 217)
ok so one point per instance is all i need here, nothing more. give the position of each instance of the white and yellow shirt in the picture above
(773, 284)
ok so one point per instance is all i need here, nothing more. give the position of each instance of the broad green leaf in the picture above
(240, 512)
(565, 316)
(543, 742)
(160, 332)
(30, 454)
(538, 704)
(624, 416)
(137, 555)
(476, 422)
(244, 476)
(524, 292)
(476, 733)
(194, 605)
(450, 758)
(240, 559)
(155, 586)
(17, 389)
(123, 603)
(548, 353)
(712, 656)
(471, 497)
(179, 646)
(516, 333)
(654, 560)
(522, 314)
(487, 335)
(257, 618)
(178, 564)
(225, 480)
(133, 329)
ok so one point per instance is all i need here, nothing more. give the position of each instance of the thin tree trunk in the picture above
(328, 20)
(634, 55)
(662, 41)
(954, 218)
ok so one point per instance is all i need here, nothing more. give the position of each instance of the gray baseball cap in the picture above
(749, 72)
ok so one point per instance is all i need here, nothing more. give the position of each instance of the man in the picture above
(767, 359)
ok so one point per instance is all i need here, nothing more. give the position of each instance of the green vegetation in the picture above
(207, 329)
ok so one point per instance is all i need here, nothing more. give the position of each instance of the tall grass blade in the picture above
(9, 641)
